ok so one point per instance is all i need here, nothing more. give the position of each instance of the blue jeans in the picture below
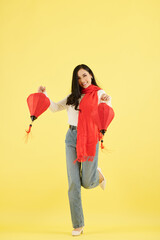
(83, 174)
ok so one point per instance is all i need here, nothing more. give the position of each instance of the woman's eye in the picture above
(83, 76)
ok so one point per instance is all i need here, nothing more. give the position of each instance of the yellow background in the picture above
(41, 43)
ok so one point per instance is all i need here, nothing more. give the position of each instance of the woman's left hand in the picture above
(105, 97)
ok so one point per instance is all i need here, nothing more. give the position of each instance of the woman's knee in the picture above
(86, 182)
(89, 180)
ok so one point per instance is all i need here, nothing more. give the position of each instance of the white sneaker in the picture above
(76, 233)
(103, 183)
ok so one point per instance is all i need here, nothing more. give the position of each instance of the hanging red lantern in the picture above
(37, 104)
(106, 115)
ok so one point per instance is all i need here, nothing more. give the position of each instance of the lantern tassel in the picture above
(27, 133)
(101, 135)
(102, 146)
(29, 129)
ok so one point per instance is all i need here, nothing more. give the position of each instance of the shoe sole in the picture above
(103, 183)
(77, 234)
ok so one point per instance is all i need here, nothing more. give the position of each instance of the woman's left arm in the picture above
(103, 97)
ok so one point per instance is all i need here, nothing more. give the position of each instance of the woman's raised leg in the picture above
(90, 174)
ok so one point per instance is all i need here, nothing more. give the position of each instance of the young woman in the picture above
(82, 139)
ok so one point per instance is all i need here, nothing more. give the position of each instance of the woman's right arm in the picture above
(54, 107)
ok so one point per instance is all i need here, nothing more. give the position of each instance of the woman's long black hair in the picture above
(73, 98)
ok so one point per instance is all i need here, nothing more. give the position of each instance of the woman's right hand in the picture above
(41, 89)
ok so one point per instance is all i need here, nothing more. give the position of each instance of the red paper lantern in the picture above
(106, 115)
(37, 104)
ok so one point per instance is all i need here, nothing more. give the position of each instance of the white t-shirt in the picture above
(72, 113)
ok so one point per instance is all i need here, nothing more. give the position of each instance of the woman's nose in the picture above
(82, 80)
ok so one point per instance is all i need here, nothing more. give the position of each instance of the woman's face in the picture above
(84, 78)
